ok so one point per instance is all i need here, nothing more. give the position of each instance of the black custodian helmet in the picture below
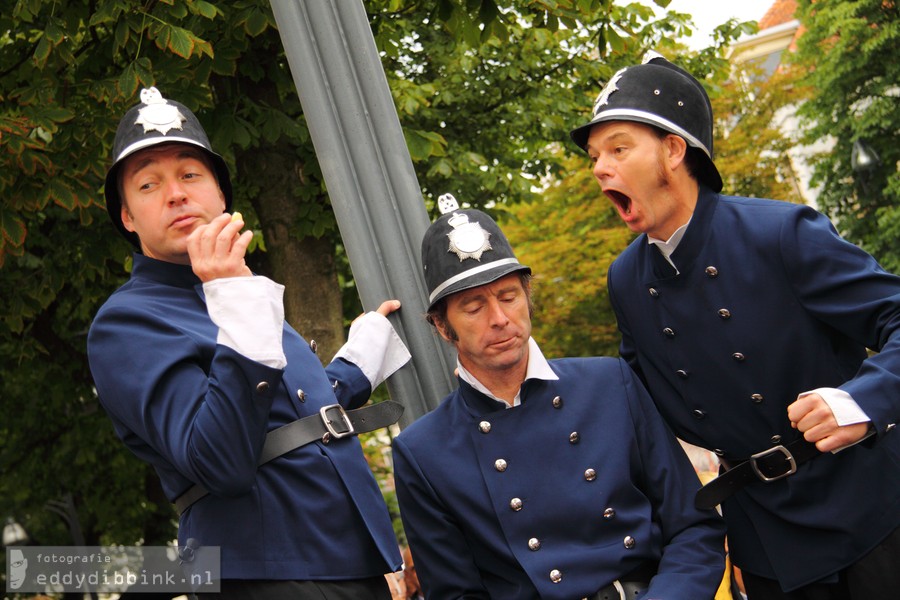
(154, 121)
(464, 249)
(663, 95)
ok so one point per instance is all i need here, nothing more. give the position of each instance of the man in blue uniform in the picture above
(537, 478)
(748, 320)
(203, 380)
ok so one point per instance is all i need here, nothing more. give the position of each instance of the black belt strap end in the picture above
(331, 422)
(767, 466)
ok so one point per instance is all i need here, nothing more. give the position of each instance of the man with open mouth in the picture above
(749, 322)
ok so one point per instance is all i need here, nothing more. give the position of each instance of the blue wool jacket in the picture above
(199, 412)
(769, 302)
(602, 488)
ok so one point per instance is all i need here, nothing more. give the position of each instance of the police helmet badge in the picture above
(157, 114)
(608, 89)
(467, 239)
(461, 234)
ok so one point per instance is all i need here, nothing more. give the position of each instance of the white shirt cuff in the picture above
(846, 410)
(374, 347)
(249, 312)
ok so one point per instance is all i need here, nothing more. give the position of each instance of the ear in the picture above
(676, 149)
(126, 218)
(441, 327)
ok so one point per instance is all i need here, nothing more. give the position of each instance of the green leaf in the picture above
(127, 82)
(122, 34)
(256, 23)
(57, 114)
(42, 52)
(419, 146)
(12, 227)
(54, 33)
(30, 161)
(61, 194)
(143, 71)
(181, 42)
(206, 9)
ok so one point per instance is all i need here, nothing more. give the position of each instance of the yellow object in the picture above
(236, 216)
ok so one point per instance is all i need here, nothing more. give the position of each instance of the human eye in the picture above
(472, 307)
(509, 296)
(145, 185)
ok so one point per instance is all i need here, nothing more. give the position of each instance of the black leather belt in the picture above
(769, 465)
(630, 586)
(332, 423)
(621, 590)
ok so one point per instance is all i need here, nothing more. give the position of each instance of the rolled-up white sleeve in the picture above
(846, 410)
(374, 346)
(249, 312)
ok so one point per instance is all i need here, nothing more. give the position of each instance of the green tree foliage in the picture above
(569, 238)
(751, 148)
(483, 107)
(850, 52)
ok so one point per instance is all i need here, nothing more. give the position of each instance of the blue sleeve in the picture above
(196, 411)
(844, 287)
(351, 386)
(443, 559)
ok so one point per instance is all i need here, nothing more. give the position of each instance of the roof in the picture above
(781, 11)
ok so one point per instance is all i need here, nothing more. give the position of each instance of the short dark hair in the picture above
(693, 157)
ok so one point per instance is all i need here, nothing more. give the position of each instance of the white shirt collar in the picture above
(538, 368)
(669, 246)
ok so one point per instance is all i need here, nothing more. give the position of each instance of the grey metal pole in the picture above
(370, 178)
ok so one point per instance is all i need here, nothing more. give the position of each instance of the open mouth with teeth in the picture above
(622, 202)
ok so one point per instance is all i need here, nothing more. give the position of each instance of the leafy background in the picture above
(486, 91)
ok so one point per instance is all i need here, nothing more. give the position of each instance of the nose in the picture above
(602, 168)
(498, 316)
(175, 192)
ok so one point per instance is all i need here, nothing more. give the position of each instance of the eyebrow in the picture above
(615, 136)
(470, 298)
(151, 157)
(480, 295)
(508, 289)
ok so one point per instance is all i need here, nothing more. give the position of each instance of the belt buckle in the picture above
(329, 425)
(789, 459)
(603, 593)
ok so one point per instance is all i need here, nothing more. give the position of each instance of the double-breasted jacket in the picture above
(555, 498)
(766, 301)
(198, 412)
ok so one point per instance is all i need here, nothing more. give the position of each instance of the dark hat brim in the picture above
(475, 277)
(663, 95)
(708, 175)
